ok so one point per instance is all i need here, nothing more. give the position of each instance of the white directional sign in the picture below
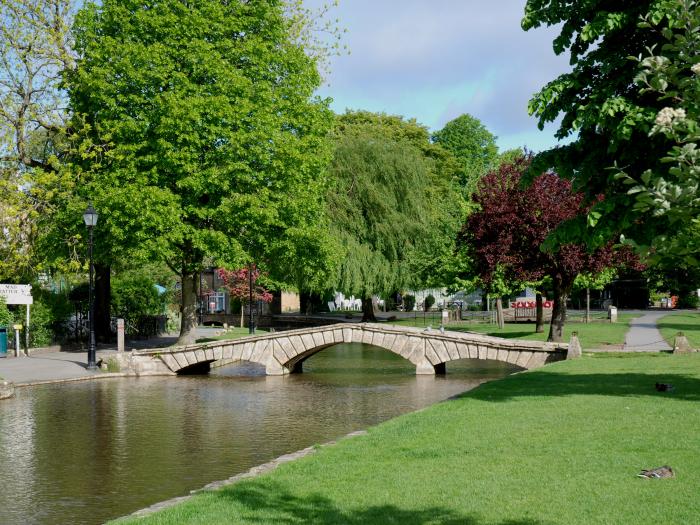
(17, 293)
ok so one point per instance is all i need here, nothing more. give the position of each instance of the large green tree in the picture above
(473, 146)
(394, 206)
(197, 134)
(622, 109)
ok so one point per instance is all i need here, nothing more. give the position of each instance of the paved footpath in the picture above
(643, 336)
(55, 365)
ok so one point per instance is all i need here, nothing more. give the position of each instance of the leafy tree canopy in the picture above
(632, 69)
(198, 132)
(473, 146)
(393, 209)
(506, 235)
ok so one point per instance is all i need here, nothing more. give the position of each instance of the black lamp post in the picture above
(90, 219)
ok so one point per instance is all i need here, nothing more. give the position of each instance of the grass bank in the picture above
(232, 332)
(688, 323)
(558, 445)
(594, 335)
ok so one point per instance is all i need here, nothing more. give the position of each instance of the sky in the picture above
(434, 60)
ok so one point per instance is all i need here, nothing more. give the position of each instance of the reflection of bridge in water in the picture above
(284, 352)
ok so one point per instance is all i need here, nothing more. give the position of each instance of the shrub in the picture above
(6, 319)
(409, 302)
(429, 302)
(688, 300)
(41, 323)
(136, 295)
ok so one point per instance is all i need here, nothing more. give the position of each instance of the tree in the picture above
(198, 133)
(473, 146)
(507, 233)
(611, 101)
(35, 46)
(242, 284)
(393, 206)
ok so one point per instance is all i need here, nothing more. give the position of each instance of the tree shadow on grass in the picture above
(271, 503)
(679, 327)
(547, 383)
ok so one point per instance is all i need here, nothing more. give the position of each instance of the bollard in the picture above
(574, 350)
(120, 335)
(18, 350)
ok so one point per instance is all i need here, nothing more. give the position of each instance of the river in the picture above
(83, 453)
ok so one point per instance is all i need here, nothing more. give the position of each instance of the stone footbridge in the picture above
(284, 352)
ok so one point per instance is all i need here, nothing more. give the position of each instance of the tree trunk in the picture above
(103, 299)
(188, 308)
(368, 310)
(485, 302)
(588, 305)
(539, 312)
(499, 312)
(556, 327)
(242, 313)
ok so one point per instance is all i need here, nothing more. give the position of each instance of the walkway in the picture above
(54, 365)
(643, 336)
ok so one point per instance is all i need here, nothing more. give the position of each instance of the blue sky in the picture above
(436, 59)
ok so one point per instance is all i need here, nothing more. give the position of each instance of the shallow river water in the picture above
(87, 452)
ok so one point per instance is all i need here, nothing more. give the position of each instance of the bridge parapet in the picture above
(284, 352)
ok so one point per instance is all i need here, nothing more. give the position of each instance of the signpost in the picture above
(19, 294)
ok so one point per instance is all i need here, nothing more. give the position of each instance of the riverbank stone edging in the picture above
(251, 473)
(284, 352)
(7, 389)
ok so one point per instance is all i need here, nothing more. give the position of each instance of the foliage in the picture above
(507, 233)
(671, 73)
(43, 324)
(198, 135)
(473, 146)
(613, 106)
(393, 205)
(134, 295)
(428, 302)
(35, 45)
(409, 302)
(237, 283)
(6, 318)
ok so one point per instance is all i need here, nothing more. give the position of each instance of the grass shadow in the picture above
(548, 383)
(269, 502)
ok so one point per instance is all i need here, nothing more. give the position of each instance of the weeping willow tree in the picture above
(393, 206)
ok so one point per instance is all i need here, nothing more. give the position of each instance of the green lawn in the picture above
(594, 335)
(558, 445)
(688, 323)
(233, 332)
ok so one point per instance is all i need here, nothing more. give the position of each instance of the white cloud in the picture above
(434, 60)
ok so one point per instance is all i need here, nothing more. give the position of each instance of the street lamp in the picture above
(90, 219)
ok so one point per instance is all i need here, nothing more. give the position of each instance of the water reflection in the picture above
(87, 452)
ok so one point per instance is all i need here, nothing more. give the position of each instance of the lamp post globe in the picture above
(90, 218)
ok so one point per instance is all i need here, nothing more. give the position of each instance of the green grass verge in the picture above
(688, 323)
(557, 445)
(234, 332)
(599, 334)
